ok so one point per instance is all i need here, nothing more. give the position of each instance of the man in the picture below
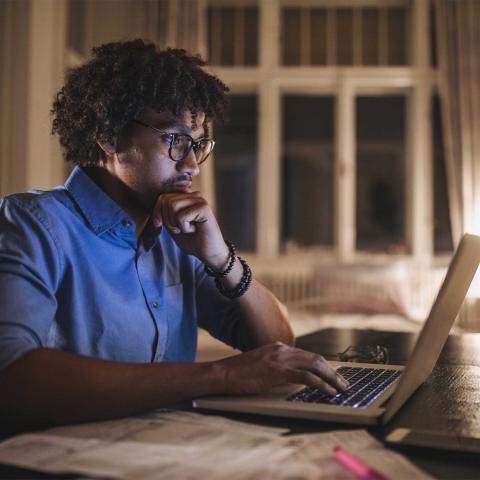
(104, 280)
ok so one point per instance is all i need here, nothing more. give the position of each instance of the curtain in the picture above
(458, 41)
(180, 25)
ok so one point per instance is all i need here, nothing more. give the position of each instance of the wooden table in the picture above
(449, 401)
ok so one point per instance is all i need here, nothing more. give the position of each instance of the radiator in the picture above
(414, 288)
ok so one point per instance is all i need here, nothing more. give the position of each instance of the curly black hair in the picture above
(104, 95)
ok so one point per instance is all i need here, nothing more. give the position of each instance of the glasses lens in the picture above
(203, 149)
(180, 146)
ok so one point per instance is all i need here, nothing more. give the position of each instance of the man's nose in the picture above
(189, 164)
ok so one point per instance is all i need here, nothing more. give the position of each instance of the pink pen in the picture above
(356, 465)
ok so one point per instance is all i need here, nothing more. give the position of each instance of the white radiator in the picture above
(410, 289)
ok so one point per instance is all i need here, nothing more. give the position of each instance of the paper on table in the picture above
(238, 456)
(173, 426)
(313, 458)
(190, 446)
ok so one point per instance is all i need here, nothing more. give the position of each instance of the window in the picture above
(369, 36)
(236, 172)
(318, 35)
(232, 35)
(342, 128)
(308, 176)
(380, 167)
(76, 22)
(345, 36)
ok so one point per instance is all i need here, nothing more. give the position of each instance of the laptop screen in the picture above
(434, 334)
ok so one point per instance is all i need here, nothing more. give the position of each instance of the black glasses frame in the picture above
(365, 354)
(194, 144)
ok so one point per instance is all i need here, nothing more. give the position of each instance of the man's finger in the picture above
(160, 215)
(325, 371)
(311, 380)
(317, 365)
(157, 218)
(168, 215)
(180, 212)
(189, 217)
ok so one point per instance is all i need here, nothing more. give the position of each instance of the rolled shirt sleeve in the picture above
(29, 271)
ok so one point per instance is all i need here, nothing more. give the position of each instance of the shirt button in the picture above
(154, 304)
(127, 223)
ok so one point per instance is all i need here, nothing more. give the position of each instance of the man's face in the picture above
(142, 161)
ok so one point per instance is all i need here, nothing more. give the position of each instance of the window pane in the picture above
(236, 172)
(380, 126)
(442, 227)
(225, 32)
(214, 33)
(344, 30)
(370, 36)
(251, 36)
(291, 36)
(318, 34)
(76, 25)
(227, 54)
(396, 36)
(308, 162)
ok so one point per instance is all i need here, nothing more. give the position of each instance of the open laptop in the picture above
(376, 392)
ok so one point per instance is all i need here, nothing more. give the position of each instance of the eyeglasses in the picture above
(180, 144)
(365, 354)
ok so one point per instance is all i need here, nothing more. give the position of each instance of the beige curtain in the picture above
(180, 25)
(458, 40)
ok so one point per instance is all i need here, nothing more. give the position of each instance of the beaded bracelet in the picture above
(242, 287)
(212, 273)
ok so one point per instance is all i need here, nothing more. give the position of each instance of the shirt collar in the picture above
(101, 212)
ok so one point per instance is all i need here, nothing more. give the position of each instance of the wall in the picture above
(33, 62)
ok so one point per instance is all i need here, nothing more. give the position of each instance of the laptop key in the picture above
(365, 386)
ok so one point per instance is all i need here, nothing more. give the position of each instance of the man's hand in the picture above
(277, 364)
(194, 227)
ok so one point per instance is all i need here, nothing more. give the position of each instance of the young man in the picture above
(104, 280)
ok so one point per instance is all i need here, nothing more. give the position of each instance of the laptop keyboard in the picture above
(366, 384)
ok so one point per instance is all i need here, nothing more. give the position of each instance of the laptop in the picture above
(376, 391)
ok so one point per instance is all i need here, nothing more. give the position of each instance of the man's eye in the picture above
(168, 138)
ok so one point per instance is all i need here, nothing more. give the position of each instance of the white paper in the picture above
(175, 425)
(314, 459)
(185, 445)
(236, 457)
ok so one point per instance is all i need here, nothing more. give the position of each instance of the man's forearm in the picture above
(264, 318)
(48, 387)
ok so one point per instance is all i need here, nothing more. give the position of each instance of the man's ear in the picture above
(107, 148)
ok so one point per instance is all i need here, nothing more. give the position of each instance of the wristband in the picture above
(241, 288)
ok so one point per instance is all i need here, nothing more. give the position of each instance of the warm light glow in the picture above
(474, 228)
(474, 290)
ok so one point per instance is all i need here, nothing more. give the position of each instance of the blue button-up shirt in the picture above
(73, 276)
